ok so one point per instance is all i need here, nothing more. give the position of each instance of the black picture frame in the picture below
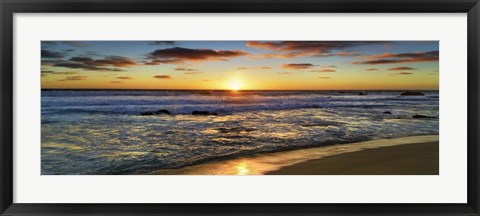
(9, 7)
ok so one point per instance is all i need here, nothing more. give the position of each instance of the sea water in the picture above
(101, 132)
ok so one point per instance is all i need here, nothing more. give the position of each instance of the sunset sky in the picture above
(269, 65)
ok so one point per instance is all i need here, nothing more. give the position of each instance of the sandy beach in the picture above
(414, 155)
(408, 159)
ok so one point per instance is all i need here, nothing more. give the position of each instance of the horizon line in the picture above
(120, 89)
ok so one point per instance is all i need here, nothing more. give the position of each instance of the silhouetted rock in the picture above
(422, 116)
(387, 112)
(163, 111)
(412, 93)
(203, 113)
(363, 93)
(147, 113)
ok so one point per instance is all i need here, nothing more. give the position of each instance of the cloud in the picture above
(184, 69)
(74, 78)
(46, 72)
(324, 70)
(389, 58)
(51, 54)
(124, 77)
(402, 73)
(115, 81)
(329, 66)
(180, 55)
(284, 73)
(346, 54)
(402, 68)
(324, 77)
(87, 63)
(162, 43)
(371, 69)
(316, 46)
(293, 49)
(117, 61)
(297, 66)
(84, 67)
(162, 77)
(164, 61)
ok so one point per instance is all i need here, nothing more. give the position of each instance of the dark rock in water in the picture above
(422, 116)
(316, 106)
(203, 113)
(342, 92)
(387, 112)
(147, 113)
(163, 111)
(363, 93)
(412, 93)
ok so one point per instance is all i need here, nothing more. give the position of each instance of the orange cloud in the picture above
(162, 77)
(124, 77)
(74, 78)
(297, 66)
(402, 73)
(324, 70)
(402, 68)
(184, 69)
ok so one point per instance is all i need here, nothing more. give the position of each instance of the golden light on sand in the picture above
(235, 84)
(242, 169)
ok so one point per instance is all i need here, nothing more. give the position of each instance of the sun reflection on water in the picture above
(242, 169)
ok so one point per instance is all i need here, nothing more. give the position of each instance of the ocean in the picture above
(103, 132)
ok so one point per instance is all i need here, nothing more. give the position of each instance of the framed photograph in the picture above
(239, 107)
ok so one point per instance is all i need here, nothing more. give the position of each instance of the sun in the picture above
(235, 84)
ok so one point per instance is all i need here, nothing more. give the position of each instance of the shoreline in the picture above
(374, 157)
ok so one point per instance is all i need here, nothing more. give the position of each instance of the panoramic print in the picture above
(239, 107)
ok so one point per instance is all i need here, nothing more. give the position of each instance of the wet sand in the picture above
(415, 155)
(408, 159)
